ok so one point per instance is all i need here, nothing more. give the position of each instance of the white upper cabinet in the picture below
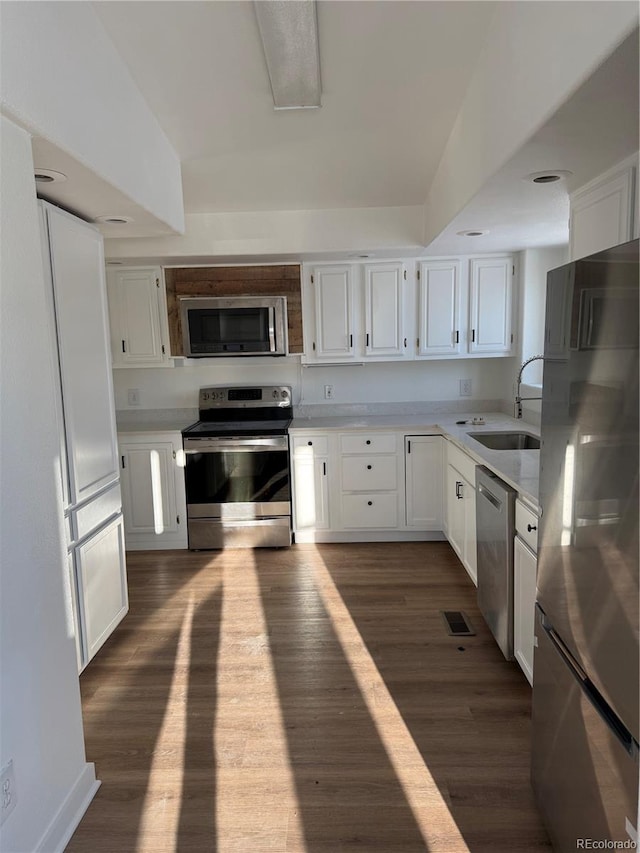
(490, 304)
(439, 327)
(332, 336)
(384, 310)
(356, 312)
(602, 211)
(77, 269)
(138, 317)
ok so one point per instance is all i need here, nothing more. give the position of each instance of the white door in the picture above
(135, 306)
(334, 326)
(384, 310)
(102, 585)
(77, 265)
(524, 602)
(439, 330)
(311, 501)
(454, 483)
(423, 467)
(491, 285)
(148, 488)
(470, 547)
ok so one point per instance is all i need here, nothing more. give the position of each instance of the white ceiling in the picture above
(393, 76)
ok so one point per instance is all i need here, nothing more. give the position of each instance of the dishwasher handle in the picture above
(483, 490)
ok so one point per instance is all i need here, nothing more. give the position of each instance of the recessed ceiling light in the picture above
(551, 176)
(114, 219)
(48, 176)
(361, 255)
(476, 232)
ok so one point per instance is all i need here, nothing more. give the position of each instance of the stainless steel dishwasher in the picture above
(495, 514)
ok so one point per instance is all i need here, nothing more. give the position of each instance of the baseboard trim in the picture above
(310, 536)
(70, 813)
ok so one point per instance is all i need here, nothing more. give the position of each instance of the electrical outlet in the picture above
(465, 387)
(133, 396)
(328, 392)
(7, 791)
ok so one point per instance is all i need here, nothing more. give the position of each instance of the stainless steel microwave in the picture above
(239, 325)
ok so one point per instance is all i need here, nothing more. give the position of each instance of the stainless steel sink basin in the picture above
(506, 440)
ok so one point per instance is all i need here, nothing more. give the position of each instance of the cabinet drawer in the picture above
(463, 464)
(369, 473)
(370, 510)
(527, 525)
(318, 444)
(96, 512)
(374, 442)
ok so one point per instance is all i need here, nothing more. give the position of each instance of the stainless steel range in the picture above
(237, 469)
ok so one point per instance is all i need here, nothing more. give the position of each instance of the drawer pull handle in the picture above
(459, 490)
(368, 441)
(368, 467)
(369, 503)
(310, 443)
(531, 527)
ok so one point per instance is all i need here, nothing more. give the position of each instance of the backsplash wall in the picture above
(423, 381)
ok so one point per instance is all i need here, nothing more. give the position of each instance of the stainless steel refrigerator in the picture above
(585, 692)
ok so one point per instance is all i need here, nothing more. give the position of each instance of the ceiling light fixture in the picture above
(552, 176)
(114, 219)
(289, 33)
(474, 233)
(48, 176)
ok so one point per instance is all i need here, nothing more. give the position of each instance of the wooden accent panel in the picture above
(235, 281)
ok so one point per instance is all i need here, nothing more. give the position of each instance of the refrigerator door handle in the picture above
(607, 715)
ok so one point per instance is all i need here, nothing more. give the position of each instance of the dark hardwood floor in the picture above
(306, 700)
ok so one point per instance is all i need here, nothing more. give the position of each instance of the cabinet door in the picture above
(524, 602)
(334, 326)
(311, 495)
(423, 467)
(77, 266)
(135, 310)
(470, 548)
(148, 487)
(490, 293)
(102, 585)
(439, 308)
(455, 510)
(602, 213)
(384, 310)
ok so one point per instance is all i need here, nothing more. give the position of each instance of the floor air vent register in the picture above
(457, 623)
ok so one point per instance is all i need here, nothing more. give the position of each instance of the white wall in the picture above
(424, 381)
(63, 80)
(280, 233)
(534, 266)
(40, 715)
(535, 57)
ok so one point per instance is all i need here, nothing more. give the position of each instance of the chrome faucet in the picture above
(519, 399)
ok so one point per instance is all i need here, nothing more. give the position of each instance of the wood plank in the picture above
(281, 280)
(306, 700)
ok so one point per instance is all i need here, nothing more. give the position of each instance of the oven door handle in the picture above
(237, 445)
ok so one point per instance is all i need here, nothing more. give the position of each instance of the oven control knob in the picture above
(285, 394)
(205, 396)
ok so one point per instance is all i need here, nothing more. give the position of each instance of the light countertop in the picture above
(518, 468)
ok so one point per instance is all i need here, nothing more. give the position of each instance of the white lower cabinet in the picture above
(524, 600)
(423, 476)
(461, 508)
(525, 563)
(101, 585)
(310, 477)
(366, 486)
(153, 490)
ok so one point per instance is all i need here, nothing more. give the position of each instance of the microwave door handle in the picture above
(272, 330)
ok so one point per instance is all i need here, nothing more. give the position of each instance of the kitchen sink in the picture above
(506, 440)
